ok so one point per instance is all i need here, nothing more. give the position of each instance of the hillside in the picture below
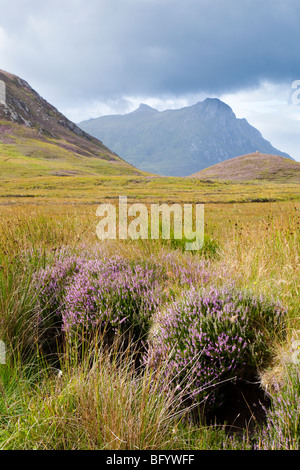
(179, 142)
(254, 166)
(37, 140)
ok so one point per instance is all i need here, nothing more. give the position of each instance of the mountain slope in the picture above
(255, 166)
(36, 139)
(179, 142)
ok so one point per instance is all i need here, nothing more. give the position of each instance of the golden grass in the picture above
(259, 242)
(259, 249)
(98, 404)
(90, 190)
(106, 407)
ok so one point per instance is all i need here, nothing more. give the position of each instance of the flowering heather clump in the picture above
(50, 284)
(113, 292)
(91, 288)
(79, 293)
(52, 281)
(212, 336)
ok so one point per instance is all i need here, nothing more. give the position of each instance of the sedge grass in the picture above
(100, 402)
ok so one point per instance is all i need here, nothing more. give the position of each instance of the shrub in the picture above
(50, 284)
(114, 294)
(209, 337)
(79, 294)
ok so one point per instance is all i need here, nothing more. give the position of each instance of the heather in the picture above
(79, 294)
(209, 337)
(206, 336)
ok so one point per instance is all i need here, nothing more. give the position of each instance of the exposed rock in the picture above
(24, 108)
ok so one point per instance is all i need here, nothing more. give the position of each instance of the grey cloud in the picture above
(79, 50)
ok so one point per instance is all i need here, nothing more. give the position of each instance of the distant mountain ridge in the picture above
(179, 142)
(37, 140)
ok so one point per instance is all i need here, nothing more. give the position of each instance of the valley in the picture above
(116, 344)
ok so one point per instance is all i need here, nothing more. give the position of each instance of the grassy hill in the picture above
(254, 166)
(37, 140)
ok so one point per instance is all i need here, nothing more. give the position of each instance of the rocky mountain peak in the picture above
(212, 108)
(145, 108)
(180, 142)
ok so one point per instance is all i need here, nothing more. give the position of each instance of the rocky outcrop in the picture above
(21, 105)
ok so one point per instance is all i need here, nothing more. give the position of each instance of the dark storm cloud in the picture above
(106, 49)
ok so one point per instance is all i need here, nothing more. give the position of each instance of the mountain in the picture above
(179, 142)
(37, 140)
(254, 166)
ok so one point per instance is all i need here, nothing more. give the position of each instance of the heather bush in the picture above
(113, 294)
(209, 337)
(81, 295)
(50, 284)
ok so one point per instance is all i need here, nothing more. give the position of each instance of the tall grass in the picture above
(282, 431)
(100, 401)
(261, 249)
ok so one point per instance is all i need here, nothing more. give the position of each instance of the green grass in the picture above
(94, 189)
(34, 158)
(255, 244)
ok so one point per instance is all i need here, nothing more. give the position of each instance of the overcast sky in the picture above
(95, 57)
